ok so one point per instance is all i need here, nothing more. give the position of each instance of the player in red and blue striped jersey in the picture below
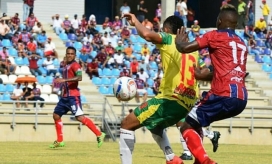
(228, 95)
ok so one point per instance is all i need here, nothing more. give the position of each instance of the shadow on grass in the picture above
(154, 156)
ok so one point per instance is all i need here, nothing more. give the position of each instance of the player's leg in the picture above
(213, 136)
(186, 155)
(59, 110)
(76, 109)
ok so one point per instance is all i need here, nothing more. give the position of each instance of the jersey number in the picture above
(234, 47)
(187, 67)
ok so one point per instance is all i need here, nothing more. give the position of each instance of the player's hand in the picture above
(181, 35)
(131, 18)
(60, 80)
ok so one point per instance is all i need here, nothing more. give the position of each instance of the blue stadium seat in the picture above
(6, 43)
(116, 72)
(100, 72)
(105, 81)
(1, 97)
(137, 47)
(266, 68)
(22, 26)
(25, 61)
(44, 72)
(267, 51)
(133, 39)
(151, 47)
(6, 97)
(78, 54)
(69, 44)
(63, 36)
(56, 63)
(41, 80)
(202, 32)
(96, 81)
(153, 65)
(93, 54)
(2, 88)
(270, 76)
(98, 28)
(141, 40)
(72, 37)
(138, 56)
(107, 72)
(49, 79)
(258, 59)
(9, 88)
(103, 90)
(19, 61)
(260, 43)
(110, 90)
(134, 31)
(150, 82)
(267, 59)
(150, 91)
(83, 99)
(13, 52)
(40, 52)
(152, 73)
(78, 45)
(112, 80)
(40, 62)
(127, 63)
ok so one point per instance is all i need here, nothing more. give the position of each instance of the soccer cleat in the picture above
(209, 161)
(57, 144)
(184, 156)
(176, 160)
(215, 140)
(100, 140)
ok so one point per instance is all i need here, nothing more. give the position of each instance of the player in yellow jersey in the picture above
(177, 93)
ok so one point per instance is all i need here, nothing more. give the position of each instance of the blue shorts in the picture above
(214, 108)
(71, 103)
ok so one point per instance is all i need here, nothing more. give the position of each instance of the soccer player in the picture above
(177, 93)
(228, 94)
(70, 99)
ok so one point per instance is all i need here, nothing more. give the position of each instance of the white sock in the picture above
(126, 145)
(184, 145)
(162, 140)
(207, 133)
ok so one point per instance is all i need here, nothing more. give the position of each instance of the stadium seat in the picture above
(19, 61)
(151, 47)
(103, 90)
(25, 61)
(6, 97)
(83, 99)
(11, 59)
(134, 31)
(270, 76)
(9, 88)
(69, 44)
(150, 91)
(49, 79)
(6, 43)
(44, 72)
(53, 98)
(150, 82)
(258, 59)
(41, 79)
(133, 39)
(105, 81)
(22, 26)
(12, 79)
(25, 70)
(46, 97)
(93, 54)
(56, 63)
(152, 73)
(260, 43)
(110, 90)
(13, 52)
(153, 65)
(40, 62)
(107, 72)
(116, 72)
(112, 80)
(137, 48)
(267, 59)
(63, 36)
(40, 52)
(2, 88)
(98, 28)
(18, 70)
(138, 56)
(267, 51)
(72, 37)
(1, 97)
(39, 86)
(266, 68)
(78, 45)
(46, 89)
(4, 79)
(100, 72)
(141, 40)
(127, 63)
(96, 81)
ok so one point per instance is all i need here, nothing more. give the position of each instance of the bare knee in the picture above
(185, 126)
(56, 117)
(79, 118)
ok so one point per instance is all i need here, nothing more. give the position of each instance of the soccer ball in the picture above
(124, 88)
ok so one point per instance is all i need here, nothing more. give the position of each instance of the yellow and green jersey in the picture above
(178, 82)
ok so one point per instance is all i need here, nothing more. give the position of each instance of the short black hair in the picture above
(173, 23)
(71, 48)
(229, 13)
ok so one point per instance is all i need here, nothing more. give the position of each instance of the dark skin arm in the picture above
(145, 33)
(76, 78)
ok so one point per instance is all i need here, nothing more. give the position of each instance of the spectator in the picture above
(83, 58)
(37, 29)
(265, 10)
(49, 66)
(134, 67)
(75, 23)
(260, 26)
(36, 96)
(92, 68)
(31, 46)
(107, 23)
(119, 59)
(143, 75)
(113, 39)
(156, 85)
(116, 24)
(128, 51)
(140, 89)
(268, 41)
(87, 38)
(66, 25)
(20, 46)
(91, 30)
(143, 65)
(178, 11)
(110, 62)
(25, 36)
(190, 16)
(249, 32)
(79, 34)
(57, 24)
(125, 73)
(125, 35)
(159, 12)
(225, 2)
(92, 20)
(49, 48)
(147, 24)
(27, 94)
(125, 9)
(195, 29)
(9, 67)
(27, 8)
(15, 39)
(84, 23)
(184, 12)
(250, 14)
(119, 47)
(4, 53)
(102, 58)
(145, 50)
(159, 74)
(62, 65)
(156, 24)
(3, 68)
(88, 47)
(30, 22)
(15, 21)
(109, 49)
(33, 64)
(4, 30)
(105, 39)
(105, 29)
(270, 24)
(16, 94)
(42, 39)
(56, 86)
(241, 14)
(141, 11)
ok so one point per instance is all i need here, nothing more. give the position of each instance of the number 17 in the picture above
(234, 46)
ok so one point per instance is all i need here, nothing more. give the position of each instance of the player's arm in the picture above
(145, 33)
(204, 74)
(77, 74)
(181, 42)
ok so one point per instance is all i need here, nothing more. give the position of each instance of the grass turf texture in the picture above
(88, 153)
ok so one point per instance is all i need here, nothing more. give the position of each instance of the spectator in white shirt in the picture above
(113, 39)
(87, 38)
(119, 58)
(184, 12)
(17, 93)
(49, 66)
(75, 23)
(57, 22)
(143, 75)
(125, 9)
(105, 39)
(158, 75)
(37, 29)
(49, 48)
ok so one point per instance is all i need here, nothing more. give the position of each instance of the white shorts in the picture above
(141, 91)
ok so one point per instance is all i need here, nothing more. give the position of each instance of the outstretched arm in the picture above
(181, 42)
(145, 33)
